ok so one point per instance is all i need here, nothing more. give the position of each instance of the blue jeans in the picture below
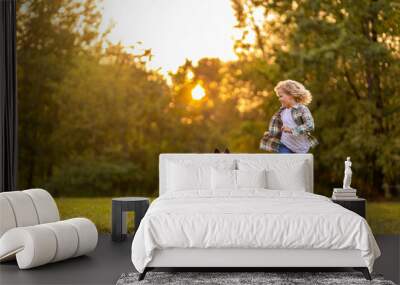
(284, 149)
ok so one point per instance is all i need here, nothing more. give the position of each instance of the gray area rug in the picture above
(225, 278)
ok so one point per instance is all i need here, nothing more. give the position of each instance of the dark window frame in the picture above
(8, 97)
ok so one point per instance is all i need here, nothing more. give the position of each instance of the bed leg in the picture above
(364, 271)
(143, 274)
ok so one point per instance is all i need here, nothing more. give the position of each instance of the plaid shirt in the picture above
(305, 125)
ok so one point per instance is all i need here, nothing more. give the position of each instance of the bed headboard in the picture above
(203, 157)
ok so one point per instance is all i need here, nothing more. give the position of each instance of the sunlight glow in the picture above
(174, 30)
(198, 92)
(190, 75)
(271, 17)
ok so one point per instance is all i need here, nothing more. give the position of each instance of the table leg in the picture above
(124, 224)
(116, 224)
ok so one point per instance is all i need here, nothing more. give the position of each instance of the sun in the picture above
(198, 92)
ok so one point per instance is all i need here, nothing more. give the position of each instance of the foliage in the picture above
(347, 54)
(93, 118)
(49, 36)
(97, 178)
(96, 114)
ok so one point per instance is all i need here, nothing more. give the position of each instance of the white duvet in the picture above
(252, 218)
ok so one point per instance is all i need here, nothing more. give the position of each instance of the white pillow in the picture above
(251, 178)
(188, 177)
(282, 174)
(290, 179)
(227, 179)
(192, 174)
(223, 179)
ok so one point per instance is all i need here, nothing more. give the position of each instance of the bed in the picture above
(247, 210)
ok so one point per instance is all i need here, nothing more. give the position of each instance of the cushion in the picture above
(24, 210)
(67, 240)
(40, 244)
(223, 179)
(292, 179)
(45, 205)
(226, 179)
(251, 178)
(87, 233)
(285, 174)
(193, 175)
(188, 177)
(7, 218)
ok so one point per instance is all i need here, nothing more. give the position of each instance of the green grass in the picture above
(96, 209)
(383, 217)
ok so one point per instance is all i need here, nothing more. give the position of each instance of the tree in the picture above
(49, 34)
(347, 54)
(113, 114)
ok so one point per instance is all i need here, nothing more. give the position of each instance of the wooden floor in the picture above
(111, 259)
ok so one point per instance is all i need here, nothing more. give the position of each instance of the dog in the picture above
(218, 151)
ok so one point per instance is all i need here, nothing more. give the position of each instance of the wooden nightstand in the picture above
(357, 205)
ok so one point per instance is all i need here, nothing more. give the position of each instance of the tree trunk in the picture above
(374, 95)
